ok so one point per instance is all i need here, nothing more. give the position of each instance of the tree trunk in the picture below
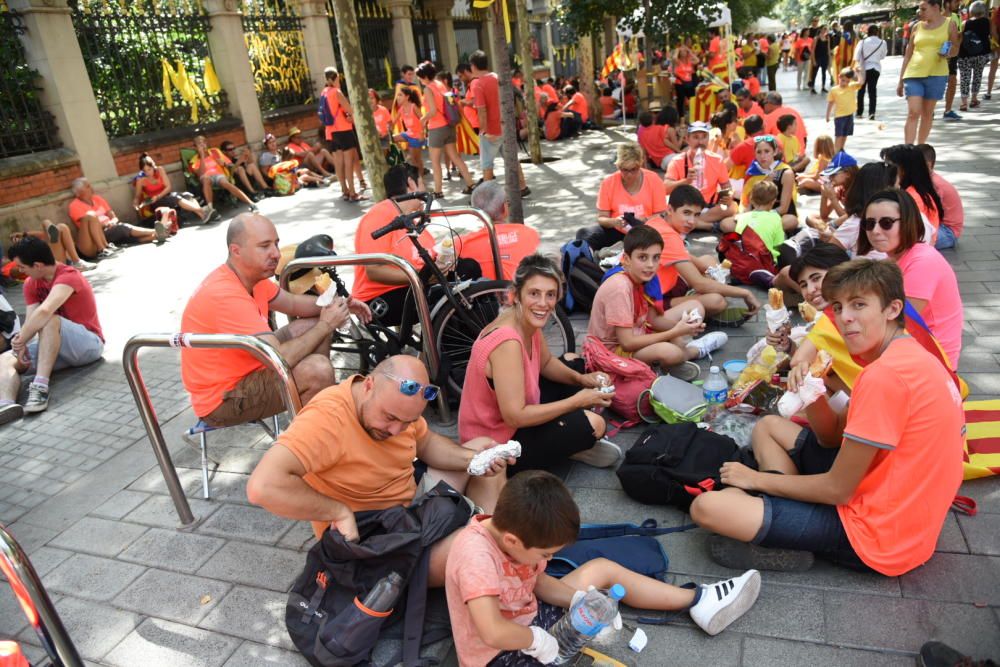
(508, 117)
(586, 73)
(528, 66)
(357, 92)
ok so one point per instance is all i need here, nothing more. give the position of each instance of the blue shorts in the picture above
(946, 238)
(927, 87)
(78, 346)
(843, 126)
(488, 151)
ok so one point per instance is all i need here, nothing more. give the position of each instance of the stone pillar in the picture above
(440, 11)
(404, 49)
(317, 39)
(490, 47)
(52, 50)
(232, 64)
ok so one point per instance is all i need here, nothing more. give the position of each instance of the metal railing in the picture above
(416, 288)
(260, 349)
(35, 603)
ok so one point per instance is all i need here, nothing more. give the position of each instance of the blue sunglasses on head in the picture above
(412, 387)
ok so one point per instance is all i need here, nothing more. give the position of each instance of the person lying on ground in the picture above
(869, 490)
(99, 232)
(503, 605)
(227, 386)
(712, 180)
(61, 329)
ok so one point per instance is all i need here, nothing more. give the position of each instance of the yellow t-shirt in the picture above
(792, 147)
(845, 99)
(927, 59)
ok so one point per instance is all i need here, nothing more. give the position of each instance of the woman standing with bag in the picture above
(869, 54)
(440, 132)
(923, 76)
(974, 53)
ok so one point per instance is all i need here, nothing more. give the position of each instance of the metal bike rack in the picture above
(416, 288)
(261, 350)
(487, 223)
(36, 604)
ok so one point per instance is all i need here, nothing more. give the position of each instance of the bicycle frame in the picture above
(487, 223)
(35, 602)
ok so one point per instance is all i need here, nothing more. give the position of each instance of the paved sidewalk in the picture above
(80, 490)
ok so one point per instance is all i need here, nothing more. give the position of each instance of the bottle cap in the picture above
(617, 592)
(713, 369)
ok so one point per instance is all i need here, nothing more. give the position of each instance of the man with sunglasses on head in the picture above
(364, 445)
(230, 387)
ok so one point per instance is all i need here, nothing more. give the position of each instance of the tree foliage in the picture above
(801, 12)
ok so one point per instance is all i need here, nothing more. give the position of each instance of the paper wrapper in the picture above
(776, 318)
(716, 272)
(795, 401)
(326, 298)
(798, 334)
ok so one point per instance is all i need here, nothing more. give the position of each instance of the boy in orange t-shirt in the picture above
(502, 604)
(869, 490)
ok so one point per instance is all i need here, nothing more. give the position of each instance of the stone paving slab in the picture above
(175, 597)
(159, 643)
(91, 577)
(251, 613)
(99, 627)
(172, 550)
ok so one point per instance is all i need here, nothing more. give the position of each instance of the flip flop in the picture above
(359, 197)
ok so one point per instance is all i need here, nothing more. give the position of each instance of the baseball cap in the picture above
(698, 126)
(839, 162)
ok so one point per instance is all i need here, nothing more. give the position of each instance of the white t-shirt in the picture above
(871, 50)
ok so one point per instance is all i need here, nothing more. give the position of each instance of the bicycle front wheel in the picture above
(482, 303)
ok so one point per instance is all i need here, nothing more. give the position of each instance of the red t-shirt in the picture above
(486, 90)
(650, 199)
(905, 404)
(470, 111)
(80, 307)
(439, 119)
(516, 242)
(553, 123)
(99, 206)
(673, 254)
(651, 141)
(954, 214)
(397, 243)
(755, 109)
(382, 120)
(607, 105)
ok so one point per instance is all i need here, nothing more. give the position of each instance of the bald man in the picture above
(353, 449)
(229, 387)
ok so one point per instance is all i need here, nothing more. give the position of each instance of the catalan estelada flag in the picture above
(982, 439)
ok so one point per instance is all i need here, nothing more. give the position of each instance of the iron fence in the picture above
(149, 64)
(25, 126)
(273, 36)
(375, 36)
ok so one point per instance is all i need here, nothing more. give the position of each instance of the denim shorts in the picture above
(488, 151)
(843, 126)
(946, 238)
(927, 87)
(78, 346)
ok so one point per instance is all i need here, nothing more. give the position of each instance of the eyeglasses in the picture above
(764, 137)
(868, 224)
(412, 387)
(630, 170)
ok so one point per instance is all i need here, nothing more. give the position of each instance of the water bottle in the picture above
(715, 388)
(945, 48)
(383, 596)
(591, 614)
(699, 169)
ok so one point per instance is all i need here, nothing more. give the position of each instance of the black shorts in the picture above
(810, 457)
(344, 140)
(953, 66)
(118, 234)
(679, 289)
(547, 616)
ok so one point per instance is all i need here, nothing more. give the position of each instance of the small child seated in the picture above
(502, 604)
(763, 219)
(632, 323)
(795, 156)
(609, 105)
(811, 181)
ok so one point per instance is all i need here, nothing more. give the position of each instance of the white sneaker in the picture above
(84, 265)
(604, 454)
(723, 602)
(709, 343)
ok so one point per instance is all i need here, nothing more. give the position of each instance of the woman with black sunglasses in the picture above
(515, 389)
(892, 225)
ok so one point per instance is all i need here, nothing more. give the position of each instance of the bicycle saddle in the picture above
(320, 245)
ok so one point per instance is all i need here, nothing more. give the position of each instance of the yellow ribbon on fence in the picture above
(186, 87)
(388, 73)
(484, 4)
(168, 91)
(212, 85)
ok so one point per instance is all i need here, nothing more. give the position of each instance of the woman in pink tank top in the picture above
(516, 390)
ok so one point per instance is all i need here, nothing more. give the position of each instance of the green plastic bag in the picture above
(674, 401)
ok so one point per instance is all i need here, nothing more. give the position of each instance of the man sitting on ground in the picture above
(870, 491)
(244, 167)
(211, 167)
(230, 387)
(364, 445)
(714, 185)
(99, 231)
(315, 157)
(62, 314)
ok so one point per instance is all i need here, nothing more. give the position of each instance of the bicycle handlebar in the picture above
(404, 221)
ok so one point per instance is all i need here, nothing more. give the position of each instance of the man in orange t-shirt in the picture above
(99, 231)
(353, 448)
(230, 387)
(715, 187)
(774, 109)
(315, 157)
(870, 491)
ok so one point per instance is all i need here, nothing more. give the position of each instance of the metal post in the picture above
(261, 350)
(487, 223)
(416, 287)
(35, 602)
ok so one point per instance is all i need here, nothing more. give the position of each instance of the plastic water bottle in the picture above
(715, 388)
(383, 596)
(699, 169)
(591, 614)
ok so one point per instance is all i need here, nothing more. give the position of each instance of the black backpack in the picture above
(671, 464)
(583, 276)
(324, 616)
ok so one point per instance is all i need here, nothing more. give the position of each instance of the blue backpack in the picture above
(583, 275)
(627, 544)
(326, 118)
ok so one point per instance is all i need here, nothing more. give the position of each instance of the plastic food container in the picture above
(733, 368)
